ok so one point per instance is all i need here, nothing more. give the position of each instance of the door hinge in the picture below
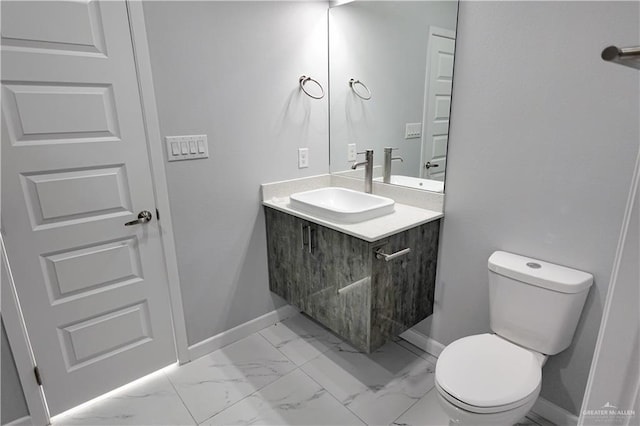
(157, 214)
(36, 373)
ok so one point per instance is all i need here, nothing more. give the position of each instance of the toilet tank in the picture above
(535, 304)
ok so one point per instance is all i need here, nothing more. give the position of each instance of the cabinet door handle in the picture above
(312, 236)
(307, 238)
(389, 257)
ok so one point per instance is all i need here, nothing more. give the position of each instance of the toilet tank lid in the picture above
(539, 273)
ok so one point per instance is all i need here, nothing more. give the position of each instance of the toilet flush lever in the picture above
(389, 257)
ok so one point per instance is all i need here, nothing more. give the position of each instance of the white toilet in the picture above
(494, 379)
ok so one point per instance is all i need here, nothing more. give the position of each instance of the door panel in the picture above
(68, 25)
(438, 103)
(91, 269)
(61, 112)
(75, 168)
(60, 198)
(91, 339)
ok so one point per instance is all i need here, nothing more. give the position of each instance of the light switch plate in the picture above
(188, 147)
(303, 158)
(412, 130)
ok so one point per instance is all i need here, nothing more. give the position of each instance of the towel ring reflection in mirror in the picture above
(362, 95)
(304, 80)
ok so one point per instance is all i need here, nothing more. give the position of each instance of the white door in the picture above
(75, 168)
(437, 103)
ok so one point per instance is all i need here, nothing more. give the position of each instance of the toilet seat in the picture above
(487, 374)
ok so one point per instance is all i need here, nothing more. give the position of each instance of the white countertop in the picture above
(404, 217)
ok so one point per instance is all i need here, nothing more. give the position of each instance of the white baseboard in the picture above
(22, 421)
(551, 412)
(241, 331)
(423, 342)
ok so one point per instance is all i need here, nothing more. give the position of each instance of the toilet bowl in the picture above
(495, 378)
(460, 416)
(486, 380)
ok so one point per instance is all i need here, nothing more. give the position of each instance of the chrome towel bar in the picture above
(629, 56)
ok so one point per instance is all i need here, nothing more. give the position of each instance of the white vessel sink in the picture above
(341, 204)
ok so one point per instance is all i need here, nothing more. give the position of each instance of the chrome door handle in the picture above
(143, 217)
(429, 165)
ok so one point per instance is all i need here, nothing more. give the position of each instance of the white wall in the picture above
(230, 70)
(383, 44)
(541, 150)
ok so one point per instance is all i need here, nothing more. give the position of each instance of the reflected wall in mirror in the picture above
(401, 54)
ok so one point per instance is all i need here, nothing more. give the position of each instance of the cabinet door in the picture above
(340, 284)
(403, 289)
(287, 257)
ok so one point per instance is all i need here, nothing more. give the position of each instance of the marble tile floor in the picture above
(293, 373)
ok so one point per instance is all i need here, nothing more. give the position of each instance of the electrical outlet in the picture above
(303, 158)
(351, 152)
(412, 130)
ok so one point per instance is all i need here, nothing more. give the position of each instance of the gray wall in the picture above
(230, 70)
(384, 44)
(13, 403)
(541, 150)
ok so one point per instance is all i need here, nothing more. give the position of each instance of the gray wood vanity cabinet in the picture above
(336, 278)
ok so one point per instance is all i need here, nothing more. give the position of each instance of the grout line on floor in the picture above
(321, 352)
(410, 407)
(173, 386)
(334, 397)
(248, 396)
(285, 355)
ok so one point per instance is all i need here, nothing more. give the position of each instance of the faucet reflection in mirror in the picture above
(388, 158)
(404, 52)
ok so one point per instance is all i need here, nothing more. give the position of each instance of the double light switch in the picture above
(187, 147)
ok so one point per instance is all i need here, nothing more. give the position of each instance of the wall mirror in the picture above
(390, 74)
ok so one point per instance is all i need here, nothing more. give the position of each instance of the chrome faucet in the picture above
(368, 170)
(386, 178)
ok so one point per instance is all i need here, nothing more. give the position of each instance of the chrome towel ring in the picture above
(361, 95)
(304, 80)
